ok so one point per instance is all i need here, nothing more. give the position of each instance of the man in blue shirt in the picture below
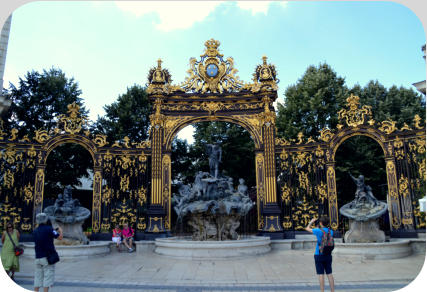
(44, 234)
(323, 262)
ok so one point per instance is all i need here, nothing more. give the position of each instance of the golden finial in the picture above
(159, 63)
(264, 60)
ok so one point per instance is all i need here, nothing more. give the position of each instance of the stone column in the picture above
(4, 39)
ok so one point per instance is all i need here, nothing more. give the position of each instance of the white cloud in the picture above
(257, 6)
(183, 14)
(172, 14)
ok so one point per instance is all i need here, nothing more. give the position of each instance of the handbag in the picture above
(18, 250)
(52, 257)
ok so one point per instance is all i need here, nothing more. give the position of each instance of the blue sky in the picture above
(110, 46)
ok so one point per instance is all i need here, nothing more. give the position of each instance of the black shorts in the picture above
(323, 264)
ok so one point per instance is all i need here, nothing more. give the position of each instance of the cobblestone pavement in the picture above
(290, 270)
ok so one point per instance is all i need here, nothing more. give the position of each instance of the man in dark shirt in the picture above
(44, 234)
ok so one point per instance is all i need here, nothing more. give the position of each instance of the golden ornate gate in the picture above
(213, 92)
(304, 185)
(307, 170)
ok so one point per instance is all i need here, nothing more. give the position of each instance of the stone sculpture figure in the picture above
(215, 155)
(69, 215)
(213, 205)
(363, 192)
(363, 213)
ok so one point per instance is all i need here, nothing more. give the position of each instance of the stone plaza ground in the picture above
(278, 270)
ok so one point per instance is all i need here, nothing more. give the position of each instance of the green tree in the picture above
(312, 103)
(397, 103)
(128, 116)
(182, 161)
(38, 100)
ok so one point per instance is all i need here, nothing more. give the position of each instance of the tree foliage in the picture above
(39, 99)
(312, 103)
(128, 116)
(396, 103)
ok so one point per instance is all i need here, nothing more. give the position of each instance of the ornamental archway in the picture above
(212, 92)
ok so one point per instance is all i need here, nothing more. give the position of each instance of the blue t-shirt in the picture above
(319, 235)
(43, 240)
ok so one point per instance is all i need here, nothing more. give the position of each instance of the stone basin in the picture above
(184, 247)
(73, 251)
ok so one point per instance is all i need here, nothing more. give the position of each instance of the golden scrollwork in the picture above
(105, 225)
(322, 192)
(11, 155)
(355, 115)
(287, 222)
(142, 195)
(26, 224)
(211, 106)
(388, 126)
(286, 194)
(405, 127)
(41, 136)
(100, 140)
(282, 142)
(9, 213)
(141, 225)
(403, 186)
(107, 194)
(302, 213)
(28, 193)
(2, 132)
(417, 121)
(123, 213)
(124, 183)
(399, 151)
(8, 179)
(143, 144)
(326, 135)
(13, 134)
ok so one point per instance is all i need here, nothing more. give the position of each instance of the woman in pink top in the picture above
(127, 233)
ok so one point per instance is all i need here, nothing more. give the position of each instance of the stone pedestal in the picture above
(72, 233)
(364, 231)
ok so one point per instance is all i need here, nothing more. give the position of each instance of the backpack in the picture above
(327, 243)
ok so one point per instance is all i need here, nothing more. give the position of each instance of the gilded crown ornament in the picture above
(75, 121)
(355, 115)
(212, 74)
(159, 79)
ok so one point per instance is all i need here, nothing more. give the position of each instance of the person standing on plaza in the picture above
(323, 262)
(9, 260)
(127, 234)
(44, 234)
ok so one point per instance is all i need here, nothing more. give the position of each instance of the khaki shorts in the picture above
(44, 274)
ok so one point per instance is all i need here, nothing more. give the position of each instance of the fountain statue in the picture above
(68, 214)
(213, 205)
(363, 213)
